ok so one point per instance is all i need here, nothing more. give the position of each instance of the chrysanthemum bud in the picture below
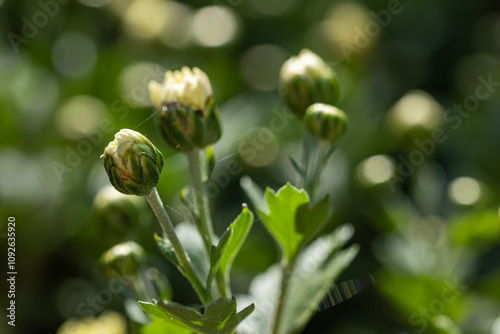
(325, 121)
(116, 213)
(122, 261)
(307, 79)
(188, 117)
(133, 163)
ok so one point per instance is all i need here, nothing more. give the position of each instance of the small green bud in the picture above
(325, 121)
(116, 213)
(307, 79)
(188, 117)
(122, 261)
(133, 163)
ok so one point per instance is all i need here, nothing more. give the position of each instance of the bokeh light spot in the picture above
(465, 191)
(145, 18)
(259, 147)
(79, 115)
(376, 170)
(260, 66)
(134, 81)
(415, 109)
(74, 54)
(214, 26)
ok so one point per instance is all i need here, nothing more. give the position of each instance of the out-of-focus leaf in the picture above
(315, 273)
(411, 293)
(220, 316)
(193, 244)
(254, 193)
(478, 229)
(264, 293)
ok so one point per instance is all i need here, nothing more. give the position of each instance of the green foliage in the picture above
(290, 219)
(161, 326)
(220, 317)
(167, 250)
(480, 229)
(317, 268)
(240, 228)
(216, 254)
(411, 294)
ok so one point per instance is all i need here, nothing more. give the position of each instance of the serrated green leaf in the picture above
(240, 227)
(159, 312)
(216, 253)
(160, 326)
(290, 220)
(167, 250)
(479, 229)
(220, 316)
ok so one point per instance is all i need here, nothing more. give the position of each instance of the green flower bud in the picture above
(116, 213)
(325, 121)
(188, 117)
(133, 163)
(307, 79)
(122, 261)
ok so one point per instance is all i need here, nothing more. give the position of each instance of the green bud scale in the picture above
(325, 121)
(133, 163)
(188, 117)
(307, 79)
(122, 261)
(187, 129)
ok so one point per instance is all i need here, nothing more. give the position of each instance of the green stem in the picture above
(202, 212)
(167, 226)
(285, 282)
(200, 203)
(306, 147)
(314, 171)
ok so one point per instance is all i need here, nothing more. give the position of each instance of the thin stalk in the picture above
(314, 172)
(285, 282)
(306, 147)
(167, 226)
(200, 202)
(202, 212)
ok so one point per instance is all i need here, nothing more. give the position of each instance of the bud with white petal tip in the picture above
(325, 122)
(133, 163)
(122, 261)
(307, 79)
(188, 117)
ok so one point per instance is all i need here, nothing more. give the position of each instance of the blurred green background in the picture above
(75, 72)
